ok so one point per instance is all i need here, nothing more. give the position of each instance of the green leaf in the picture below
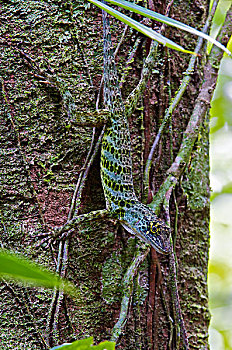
(221, 111)
(164, 19)
(17, 268)
(105, 345)
(83, 344)
(141, 28)
(218, 20)
(60, 346)
(225, 189)
(86, 344)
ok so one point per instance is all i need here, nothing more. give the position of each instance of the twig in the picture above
(150, 61)
(58, 301)
(166, 205)
(127, 291)
(50, 318)
(191, 133)
(186, 79)
(31, 61)
(176, 220)
(76, 194)
(151, 295)
(189, 136)
(121, 40)
(99, 93)
(170, 320)
(156, 311)
(175, 299)
(173, 282)
(133, 98)
(126, 69)
(87, 171)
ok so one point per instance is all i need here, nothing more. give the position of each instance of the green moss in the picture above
(196, 179)
(112, 274)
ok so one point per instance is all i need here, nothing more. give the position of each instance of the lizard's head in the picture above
(158, 234)
(141, 221)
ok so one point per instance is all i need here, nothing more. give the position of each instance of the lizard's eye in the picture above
(154, 227)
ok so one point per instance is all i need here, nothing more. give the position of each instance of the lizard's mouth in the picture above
(160, 248)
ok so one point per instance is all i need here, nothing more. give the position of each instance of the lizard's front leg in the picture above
(49, 77)
(63, 232)
(88, 118)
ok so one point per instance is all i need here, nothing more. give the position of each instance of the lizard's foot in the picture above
(56, 234)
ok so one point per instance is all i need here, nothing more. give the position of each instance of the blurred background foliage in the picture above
(220, 264)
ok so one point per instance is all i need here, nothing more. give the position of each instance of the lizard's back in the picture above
(116, 165)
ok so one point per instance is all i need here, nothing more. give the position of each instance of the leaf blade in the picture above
(86, 344)
(17, 268)
(167, 20)
(140, 27)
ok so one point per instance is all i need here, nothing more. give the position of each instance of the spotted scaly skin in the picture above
(116, 164)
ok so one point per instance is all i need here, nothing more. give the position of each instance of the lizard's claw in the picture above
(47, 238)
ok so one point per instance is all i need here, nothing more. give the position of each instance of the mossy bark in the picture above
(42, 154)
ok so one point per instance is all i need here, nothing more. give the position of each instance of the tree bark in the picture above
(44, 155)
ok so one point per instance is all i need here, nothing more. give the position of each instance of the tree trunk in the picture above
(45, 157)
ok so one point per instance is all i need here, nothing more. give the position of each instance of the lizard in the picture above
(116, 163)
